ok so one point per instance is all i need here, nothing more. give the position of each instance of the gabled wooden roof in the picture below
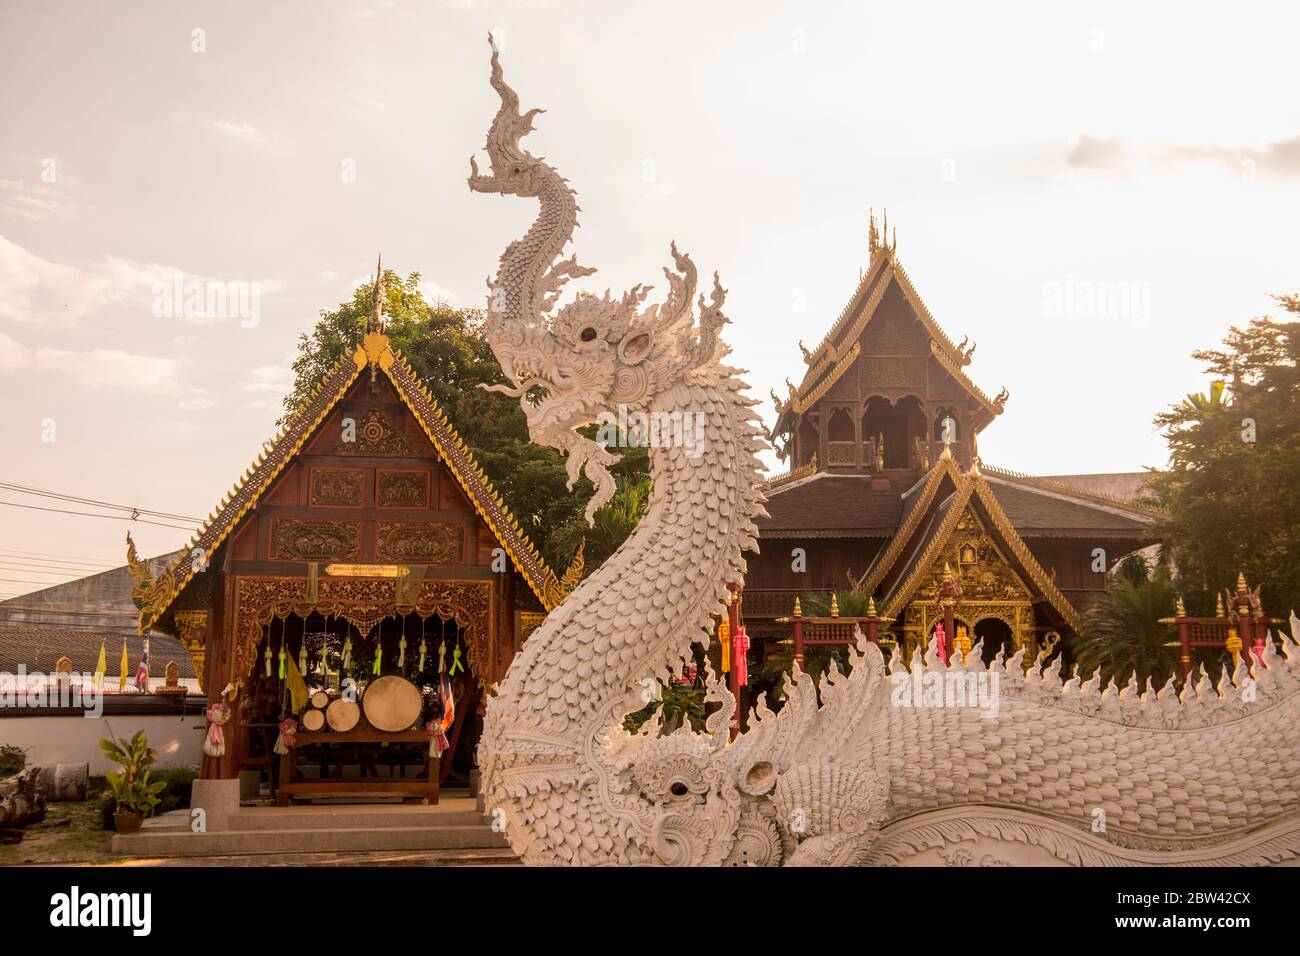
(377, 354)
(927, 528)
(837, 351)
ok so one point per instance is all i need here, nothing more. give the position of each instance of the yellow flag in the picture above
(297, 686)
(102, 666)
(121, 683)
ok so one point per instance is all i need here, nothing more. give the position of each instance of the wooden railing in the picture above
(774, 602)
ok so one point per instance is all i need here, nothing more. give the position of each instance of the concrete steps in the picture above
(455, 824)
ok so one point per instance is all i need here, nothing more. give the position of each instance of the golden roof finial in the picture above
(376, 323)
(873, 236)
(798, 611)
(1218, 606)
(1179, 609)
(835, 605)
(1241, 581)
(871, 605)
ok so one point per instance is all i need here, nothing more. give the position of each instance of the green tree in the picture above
(448, 352)
(1122, 635)
(1232, 488)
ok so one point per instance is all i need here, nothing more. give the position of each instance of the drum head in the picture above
(313, 720)
(342, 714)
(320, 700)
(392, 703)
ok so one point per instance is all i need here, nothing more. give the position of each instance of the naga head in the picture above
(596, 354)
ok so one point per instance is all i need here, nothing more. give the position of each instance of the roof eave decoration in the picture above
(829, 361)
(944, 467)
(992, 406)
(970, 487)
(374, 352)
(1042, 580)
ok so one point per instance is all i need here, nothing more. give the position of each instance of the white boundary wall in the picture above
(75, 739)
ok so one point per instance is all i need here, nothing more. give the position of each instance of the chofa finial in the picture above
(376, 323)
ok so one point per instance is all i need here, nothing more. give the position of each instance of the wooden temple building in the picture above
(364, 541)
(886, 495)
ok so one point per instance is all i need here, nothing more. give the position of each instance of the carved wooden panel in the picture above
(424, 542)
(842, 453)
(403, 489)
(896, 372)
(335, 488)
(374, 435)
(296, 539)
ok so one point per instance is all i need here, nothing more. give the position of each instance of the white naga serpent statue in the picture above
(850, 779)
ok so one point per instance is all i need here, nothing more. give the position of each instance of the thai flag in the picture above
(142, 672)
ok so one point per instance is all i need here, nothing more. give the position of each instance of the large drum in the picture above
(342, 714)
(392, 703)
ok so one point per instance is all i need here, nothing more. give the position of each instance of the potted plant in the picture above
(134, 795)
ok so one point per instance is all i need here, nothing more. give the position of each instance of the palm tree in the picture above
(1122, 634)
(610, 526)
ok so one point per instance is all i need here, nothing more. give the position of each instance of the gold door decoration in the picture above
(295, 539)
(335, 488)
(192, 631)
(419, 542)
(403, 489)
(989, 588)
(363, 603)
(374, 436)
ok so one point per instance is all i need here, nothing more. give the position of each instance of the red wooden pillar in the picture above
(1185, 645)
(733, 676)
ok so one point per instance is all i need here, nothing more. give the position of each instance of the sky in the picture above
(1090, 192)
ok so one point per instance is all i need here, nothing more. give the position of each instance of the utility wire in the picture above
(91, 514)
(58, 495)
(48, 554)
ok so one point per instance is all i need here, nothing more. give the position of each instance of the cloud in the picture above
(34, 290)
(195, 404)
(1110, 154)
(32, 203)
(277, 379)
(97, 368)
(245, 133)
(1281, 159)
(435, 293)
(1117, 155)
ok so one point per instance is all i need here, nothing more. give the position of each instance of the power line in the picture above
(29, 570)
(50, 554)
(36, 565)
(90, 514)
(60, 496)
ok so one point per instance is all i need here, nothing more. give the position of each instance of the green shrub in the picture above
(174, 796)
(12, 760)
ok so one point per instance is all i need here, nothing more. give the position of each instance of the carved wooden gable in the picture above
(368, 487)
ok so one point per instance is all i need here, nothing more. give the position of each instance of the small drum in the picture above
(313, 719)
(342, 714)
(320, 700)
(392, 703)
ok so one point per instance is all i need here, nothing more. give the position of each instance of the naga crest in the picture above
(570, 364)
